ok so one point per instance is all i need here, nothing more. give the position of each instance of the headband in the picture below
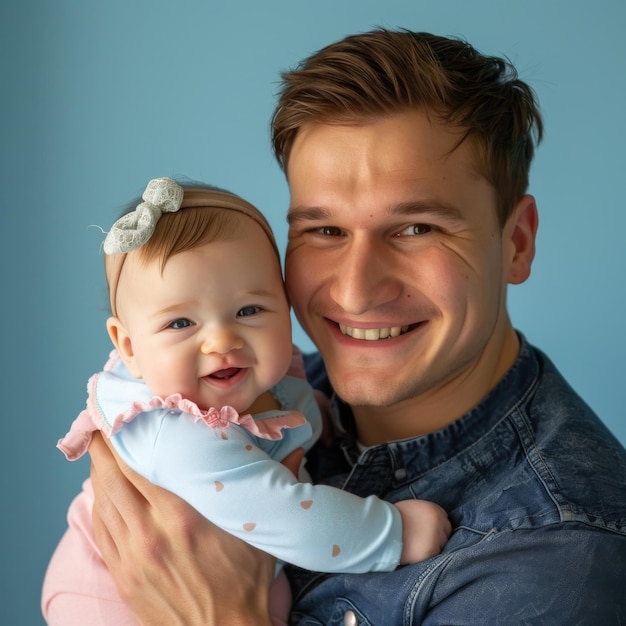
(163, 195)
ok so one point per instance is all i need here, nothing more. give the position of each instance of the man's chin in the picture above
(367, 391)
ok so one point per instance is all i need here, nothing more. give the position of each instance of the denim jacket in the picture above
(535, 487)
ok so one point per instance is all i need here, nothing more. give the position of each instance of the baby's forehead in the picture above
(248, 244)
(243, 263)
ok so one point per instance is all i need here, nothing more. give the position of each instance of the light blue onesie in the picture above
(228, 468)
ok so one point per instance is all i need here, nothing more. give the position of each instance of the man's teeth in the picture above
(373, 334)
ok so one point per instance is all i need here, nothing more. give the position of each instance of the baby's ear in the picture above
(121, 340)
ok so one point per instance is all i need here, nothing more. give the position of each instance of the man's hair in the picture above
(382, 72)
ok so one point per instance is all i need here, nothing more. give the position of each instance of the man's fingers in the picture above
(108, 522)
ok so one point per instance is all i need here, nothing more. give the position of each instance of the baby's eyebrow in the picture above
(172, 309)
(260, 293)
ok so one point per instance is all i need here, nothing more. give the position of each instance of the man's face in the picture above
(396, 265)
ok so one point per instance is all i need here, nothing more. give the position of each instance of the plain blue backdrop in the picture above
(99, 97)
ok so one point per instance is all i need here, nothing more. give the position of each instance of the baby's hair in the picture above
(207, 214)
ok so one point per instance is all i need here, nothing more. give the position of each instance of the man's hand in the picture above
(170, 564)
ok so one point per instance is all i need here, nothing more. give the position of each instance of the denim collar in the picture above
(439, 446)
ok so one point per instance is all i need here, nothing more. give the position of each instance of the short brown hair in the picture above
(383, 72)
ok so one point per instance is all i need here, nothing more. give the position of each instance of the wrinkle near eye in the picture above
(446, 244)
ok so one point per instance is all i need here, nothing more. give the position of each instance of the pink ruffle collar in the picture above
(266, 426)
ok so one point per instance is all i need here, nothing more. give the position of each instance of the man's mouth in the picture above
(375, 334)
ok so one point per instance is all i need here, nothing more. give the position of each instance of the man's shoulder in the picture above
(580, 462)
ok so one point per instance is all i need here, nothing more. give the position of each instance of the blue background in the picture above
(99, 97)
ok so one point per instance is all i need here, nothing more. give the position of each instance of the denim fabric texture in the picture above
(535, 487)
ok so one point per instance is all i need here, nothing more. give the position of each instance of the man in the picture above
(407, 158)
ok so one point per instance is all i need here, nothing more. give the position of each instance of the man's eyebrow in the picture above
(433, 208)
(307, 214)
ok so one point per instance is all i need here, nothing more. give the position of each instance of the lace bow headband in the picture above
(165, 195)
(135, 228)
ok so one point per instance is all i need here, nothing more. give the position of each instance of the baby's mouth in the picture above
(225, 374)
(376, 334)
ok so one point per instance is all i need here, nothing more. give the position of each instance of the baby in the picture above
(197, 397)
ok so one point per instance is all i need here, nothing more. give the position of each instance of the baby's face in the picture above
(214, 326)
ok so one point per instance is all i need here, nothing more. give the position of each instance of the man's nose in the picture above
(364, 277)
(221, 341)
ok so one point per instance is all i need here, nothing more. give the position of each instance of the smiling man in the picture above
(407, 157)
(407, 300)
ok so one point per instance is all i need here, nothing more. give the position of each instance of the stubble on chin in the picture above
(367, 390)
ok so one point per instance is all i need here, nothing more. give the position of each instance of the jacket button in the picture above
(349, 619)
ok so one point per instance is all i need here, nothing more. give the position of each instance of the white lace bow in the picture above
(135, 228)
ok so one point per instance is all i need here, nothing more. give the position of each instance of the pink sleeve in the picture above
(77, 440)
(296, 369)
(77, 588)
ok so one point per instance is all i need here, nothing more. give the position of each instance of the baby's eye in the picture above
(248, 310)
(415, 229)
(178, 324)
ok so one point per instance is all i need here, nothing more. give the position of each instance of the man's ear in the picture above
(519, 235)
(121, 340)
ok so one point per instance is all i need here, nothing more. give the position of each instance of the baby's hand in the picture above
(425, 530)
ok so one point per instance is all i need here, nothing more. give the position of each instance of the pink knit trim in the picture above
(77, 440)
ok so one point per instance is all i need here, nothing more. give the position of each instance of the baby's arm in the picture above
(241, 489)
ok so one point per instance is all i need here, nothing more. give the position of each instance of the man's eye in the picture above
(248, 310)
(183, 322)
(415, 229)
(329, 231)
